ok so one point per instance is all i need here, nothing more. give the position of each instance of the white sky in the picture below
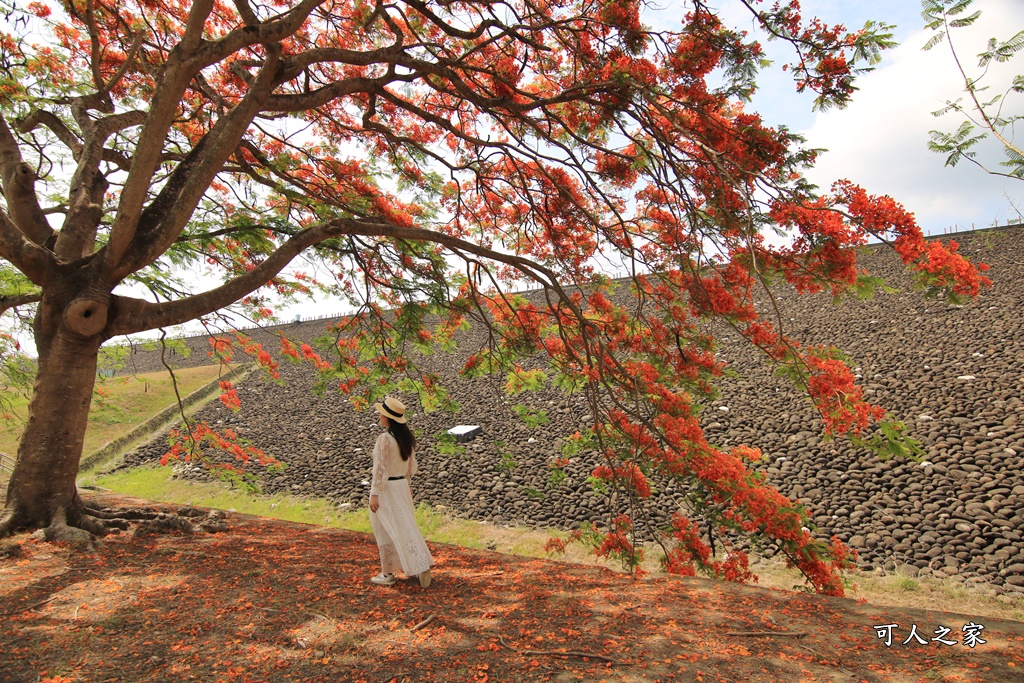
(880, 140)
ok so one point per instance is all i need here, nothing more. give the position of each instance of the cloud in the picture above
(880, 140)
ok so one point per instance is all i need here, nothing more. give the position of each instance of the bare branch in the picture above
(56, 126)
(129, 58)
(13, 301)
(245, 11)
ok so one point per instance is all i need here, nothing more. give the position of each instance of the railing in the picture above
(6, 466)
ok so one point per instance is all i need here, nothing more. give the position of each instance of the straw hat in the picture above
(392, 408)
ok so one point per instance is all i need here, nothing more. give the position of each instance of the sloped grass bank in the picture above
(123, 403)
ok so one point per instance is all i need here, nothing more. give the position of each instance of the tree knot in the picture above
(86, 316)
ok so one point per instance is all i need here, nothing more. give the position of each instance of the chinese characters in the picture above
(971, 635)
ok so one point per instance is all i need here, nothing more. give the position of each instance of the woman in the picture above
(391, 513)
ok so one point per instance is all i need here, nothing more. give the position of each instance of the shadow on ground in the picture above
(275, 601)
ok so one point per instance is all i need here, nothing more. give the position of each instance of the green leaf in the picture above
(533, 417)
(965, 21)
(533, 493)
(959, 7)
(1001, 52)
(890, 440)
(556, 477)
(865, 286)
(934, 40)
(445, 444)
(518, 381)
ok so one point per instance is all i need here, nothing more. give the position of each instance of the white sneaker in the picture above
(383, 580)
(425, 579)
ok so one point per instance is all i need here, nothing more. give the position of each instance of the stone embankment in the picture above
(954, 375)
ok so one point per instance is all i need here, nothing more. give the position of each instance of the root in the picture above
(212, 523)
(60, 532)
(167, 523)
(10, 549)
(102, 527)
(7, 523)
(84, 523)
(131, 514)
(79, 539)
(120, 513)
(213, 526)
(188, 520)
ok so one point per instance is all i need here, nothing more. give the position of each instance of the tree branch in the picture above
(35, 262)
(317, 98)
(132, 51)
(197, 17)
(178, 71)
(129, 315)
(272, 31)
(187, 59)
(384, 55)
(245, 11)
(88, 186)
(56, 126)
(109, 125)
(94, 44)
(163, 220)
(18, 180)
(15, 300)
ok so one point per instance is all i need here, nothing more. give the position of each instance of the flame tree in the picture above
(433, 154)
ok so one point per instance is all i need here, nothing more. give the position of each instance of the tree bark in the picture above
(42, 491)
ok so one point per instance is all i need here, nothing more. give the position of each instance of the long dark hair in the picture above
(403, 435)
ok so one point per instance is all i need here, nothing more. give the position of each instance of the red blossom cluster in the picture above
(627, 475)
(230, 397)
(189, 445)
(833, 388)
(937, 264)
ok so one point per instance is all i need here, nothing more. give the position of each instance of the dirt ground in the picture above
(275, 601)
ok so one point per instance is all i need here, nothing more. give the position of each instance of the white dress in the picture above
(399, 540)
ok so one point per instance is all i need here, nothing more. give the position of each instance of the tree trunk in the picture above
(42, 491)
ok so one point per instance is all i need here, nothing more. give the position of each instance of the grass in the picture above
(895, 590)
(158, 484)
(129, 401)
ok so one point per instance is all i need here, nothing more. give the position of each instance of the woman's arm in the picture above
(381, 458)
(412, 466)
